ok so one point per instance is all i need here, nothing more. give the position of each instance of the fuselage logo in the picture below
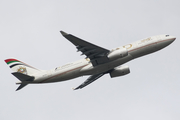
(22, 70)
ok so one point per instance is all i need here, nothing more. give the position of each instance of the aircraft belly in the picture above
(143, 50)
(161, 44)
(91, 70)
(69, 75)
(60, 75)
(120, 61)
(65, 76)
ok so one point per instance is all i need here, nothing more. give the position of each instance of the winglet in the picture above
(63, 33)
(79, 87)
(75, 88)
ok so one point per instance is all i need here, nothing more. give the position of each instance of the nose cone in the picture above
(165, 42)
(172, 39)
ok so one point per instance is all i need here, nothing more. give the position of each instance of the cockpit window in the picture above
(167, 35)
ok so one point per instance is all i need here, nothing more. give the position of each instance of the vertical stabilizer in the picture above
(22, 71)
(18, 66)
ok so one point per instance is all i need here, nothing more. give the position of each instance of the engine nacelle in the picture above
(118, 53)
(120, 71)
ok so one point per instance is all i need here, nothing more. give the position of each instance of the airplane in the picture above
(98, 62)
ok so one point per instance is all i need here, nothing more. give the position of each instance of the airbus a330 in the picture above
(98, 62)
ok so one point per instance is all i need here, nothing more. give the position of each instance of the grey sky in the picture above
(30, 33)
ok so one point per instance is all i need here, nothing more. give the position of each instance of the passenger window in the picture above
(167, 35)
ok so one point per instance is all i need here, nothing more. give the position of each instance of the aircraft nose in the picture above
(172, 39)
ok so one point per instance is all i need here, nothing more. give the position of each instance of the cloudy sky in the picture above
(29, 31)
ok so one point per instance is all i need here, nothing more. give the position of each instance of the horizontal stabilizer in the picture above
(21, 86)
(23, 77)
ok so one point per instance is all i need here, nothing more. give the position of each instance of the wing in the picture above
(96, 54)
(91, 79)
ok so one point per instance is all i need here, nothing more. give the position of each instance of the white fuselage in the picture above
(84, 66)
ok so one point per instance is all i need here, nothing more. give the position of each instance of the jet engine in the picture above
(118, 53)
(120, 71)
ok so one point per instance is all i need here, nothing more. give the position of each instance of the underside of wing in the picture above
(91, 79)
(96, 54)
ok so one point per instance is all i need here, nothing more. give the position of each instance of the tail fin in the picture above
(23, 78)
(18, 66)
(22, 71)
